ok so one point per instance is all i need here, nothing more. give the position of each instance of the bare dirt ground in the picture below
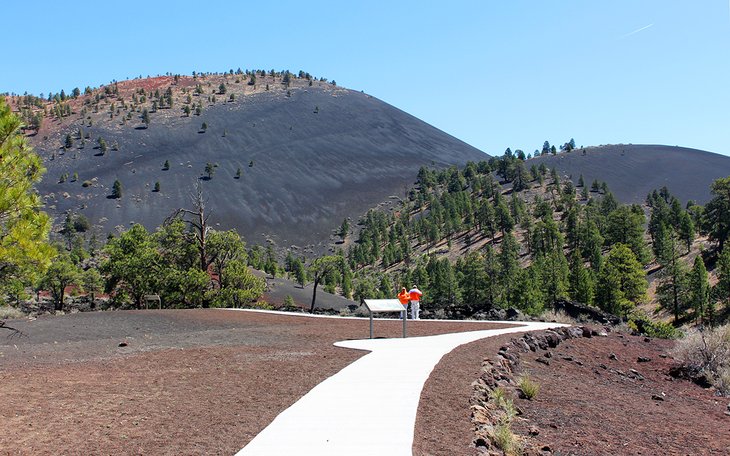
(186, 382)
(443, 422)
(589, 403)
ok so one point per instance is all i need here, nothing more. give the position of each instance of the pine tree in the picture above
(621, 281)
(473, 278)
(344, 229)
(117, 189)
(672, 279)
(527, 294)
(508, 265)
(24, 251)
(146, 118)
(699, 288)
(582, 283)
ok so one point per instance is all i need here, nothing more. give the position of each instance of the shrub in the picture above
(9, 313)
(289, 303)
(505, 440)
(261, 304)
(640, 323)
(558, 316)
(528, 387)
(87, 183)
(81, 224)
(706, 353)
(504, 402)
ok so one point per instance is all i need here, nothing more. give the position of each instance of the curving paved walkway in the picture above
(369, 407)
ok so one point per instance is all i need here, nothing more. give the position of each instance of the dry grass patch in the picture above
(706, 354)
(10, 313)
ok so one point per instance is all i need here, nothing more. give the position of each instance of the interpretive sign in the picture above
(385, 305)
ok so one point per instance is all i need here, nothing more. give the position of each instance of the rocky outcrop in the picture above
(499, 372)
(581, 312)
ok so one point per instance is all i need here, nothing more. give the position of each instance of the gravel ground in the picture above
(201, 381)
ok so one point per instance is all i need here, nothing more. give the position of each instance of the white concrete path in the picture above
(369, 407)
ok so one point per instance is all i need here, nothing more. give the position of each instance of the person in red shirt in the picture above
(415, 295)
(404, 297)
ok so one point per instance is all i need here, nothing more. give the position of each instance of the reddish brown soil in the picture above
(443, 422)
(188, 382)
(582, 408)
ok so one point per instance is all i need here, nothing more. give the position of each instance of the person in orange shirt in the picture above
(415, 296)
(404, 297)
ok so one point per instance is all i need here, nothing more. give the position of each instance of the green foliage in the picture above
(116, 190)
(225, 247)
(621, 281)
(721, 290)
(641, 323)
(582, 280)
(60, 274)
(529, 387)
(625, 225)
(505, 440)
(24, 250)
(289, 303)
(92, 282)
(344, 229)
(133, 264)
(210, 169)
(672, 286)
(717, 212)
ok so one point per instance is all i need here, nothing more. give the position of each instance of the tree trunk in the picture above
(314, 294)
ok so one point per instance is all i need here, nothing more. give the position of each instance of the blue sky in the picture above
(495, 74)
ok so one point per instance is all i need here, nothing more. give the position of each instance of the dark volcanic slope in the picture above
(318, 156)
(632, 171)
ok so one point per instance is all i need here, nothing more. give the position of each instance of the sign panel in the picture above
(384, 305)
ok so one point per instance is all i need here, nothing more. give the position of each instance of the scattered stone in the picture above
(663, 355)
(603, 366)
(643, 359)
(552, 338)
(636, 374)
(613, 356)
(543, 361)
(657, 397)
(568, 358)
(122, 344)
(646, 339)
(580, 363)
(587, 332)
(548, 355)
(534, 431)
